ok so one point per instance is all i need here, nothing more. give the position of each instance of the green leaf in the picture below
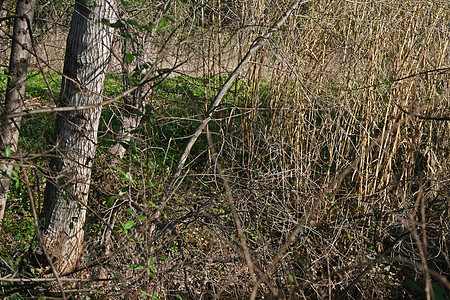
(129, 178)
(117, 24)
(163, 23)
(127, 37)
(128, 225)
(8, 151)
(133, 22)
(124, 3)
(110, 201)
(92, 4)
(148, 109)
(438, 293)
(135, 74)
(413, 285)
(290, 278)
(129, 58)
(136, 267)
(138, 112)
(121, 171)
(134, 80)
(146, 294)
(106, 22)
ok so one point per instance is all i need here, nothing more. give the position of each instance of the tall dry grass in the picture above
(329, 133)
(344, 82)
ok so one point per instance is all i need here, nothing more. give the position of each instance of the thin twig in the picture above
(371, 264)
(92, 106)
(441, 70)
(59, 279)
(230, 201)
(307, 216)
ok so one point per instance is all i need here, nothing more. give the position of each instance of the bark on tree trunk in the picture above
(66, 194)
(15, 93)
(4, 5)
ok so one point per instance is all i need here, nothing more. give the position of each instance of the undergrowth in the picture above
(320, 133)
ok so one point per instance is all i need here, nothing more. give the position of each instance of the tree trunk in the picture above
(15, 93)
(130, 121)
(134, 105)
(135, 102)
(66, 194)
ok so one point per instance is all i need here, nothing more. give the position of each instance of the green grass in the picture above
(37, 86)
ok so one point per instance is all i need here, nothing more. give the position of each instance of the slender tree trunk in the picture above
(15, 92)
(66, 194)
(130, 118)
(133, 103)
(137, 100)
(130, 121)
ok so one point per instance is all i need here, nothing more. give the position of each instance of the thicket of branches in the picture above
(331, 149)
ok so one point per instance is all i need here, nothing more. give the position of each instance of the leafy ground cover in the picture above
(315, 136)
